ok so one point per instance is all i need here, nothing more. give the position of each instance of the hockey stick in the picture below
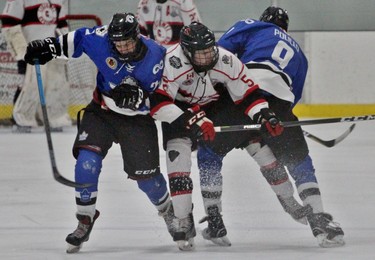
(56, 174)
(329, 143)
(231, 128)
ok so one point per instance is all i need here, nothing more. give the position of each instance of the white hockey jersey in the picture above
(163, 21)
(38, 18)
(180, 82)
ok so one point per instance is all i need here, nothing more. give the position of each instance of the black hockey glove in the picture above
(270, 123)
(42, 50)
(196, 121)
(127, 96)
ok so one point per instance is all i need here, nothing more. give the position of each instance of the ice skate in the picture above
(81, 234)
(185, 233)
(327, 232)
(295, 210)
(216, 231)
(168, 216)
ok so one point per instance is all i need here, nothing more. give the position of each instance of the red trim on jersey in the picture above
(160, 105)
(256, 102)
(247, 93)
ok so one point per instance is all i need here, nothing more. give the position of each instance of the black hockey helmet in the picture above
(276, 15)
(197, 36)
(124, 26)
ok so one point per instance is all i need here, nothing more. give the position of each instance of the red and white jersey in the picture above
(163, 21)
(180, 82)
(38, 18)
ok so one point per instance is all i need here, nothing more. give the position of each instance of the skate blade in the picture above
(71, 249)
(337, 241)
(220, 241)
(186, 245)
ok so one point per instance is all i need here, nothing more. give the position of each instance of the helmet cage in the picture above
(196, 37)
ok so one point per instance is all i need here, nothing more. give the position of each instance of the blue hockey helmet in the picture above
(276, 15)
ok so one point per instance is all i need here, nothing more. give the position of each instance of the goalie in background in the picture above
(162, 20)
(129, 69)
(279, 63)
(24, 21)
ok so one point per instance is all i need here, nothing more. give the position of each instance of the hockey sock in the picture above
(307, 184)
(156, 190)
(211, 180)
(303, 172)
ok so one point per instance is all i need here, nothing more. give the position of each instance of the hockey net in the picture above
(81, 73)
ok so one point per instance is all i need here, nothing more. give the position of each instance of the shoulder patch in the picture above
(227, 60)
(111, 62)
(175, 62)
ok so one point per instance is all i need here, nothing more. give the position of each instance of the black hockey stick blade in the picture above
(330, 143)
(231, 128)
(58, 177)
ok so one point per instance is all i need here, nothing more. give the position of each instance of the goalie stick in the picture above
(329, 143)
(56, 174)
(231, 128)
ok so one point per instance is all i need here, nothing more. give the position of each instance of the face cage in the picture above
(202, 68)
(128, 57)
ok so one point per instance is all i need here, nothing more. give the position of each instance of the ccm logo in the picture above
(249, 82)
(145, 172)
(196, 118)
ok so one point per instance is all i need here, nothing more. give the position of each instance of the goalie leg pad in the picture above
(57, 93)
(26, 105)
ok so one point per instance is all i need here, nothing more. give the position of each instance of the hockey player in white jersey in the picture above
(129, 69)
(205, 85)
(281, 66)
(162, 20)
(25, 21)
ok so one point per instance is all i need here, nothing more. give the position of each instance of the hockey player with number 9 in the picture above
(281, 67)
(129, 68)
(24, 21)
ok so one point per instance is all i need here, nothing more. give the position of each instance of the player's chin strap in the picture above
(56, 174)
(231, 128)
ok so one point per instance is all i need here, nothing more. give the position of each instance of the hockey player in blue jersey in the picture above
(129, 68)
(280, 66)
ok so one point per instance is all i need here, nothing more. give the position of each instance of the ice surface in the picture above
(37, 212)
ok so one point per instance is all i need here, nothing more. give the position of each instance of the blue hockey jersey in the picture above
(265, 43)
(112, 71)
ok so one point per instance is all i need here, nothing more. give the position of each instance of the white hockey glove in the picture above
(42, 50)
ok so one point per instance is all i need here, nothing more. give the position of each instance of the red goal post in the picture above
(81, 73)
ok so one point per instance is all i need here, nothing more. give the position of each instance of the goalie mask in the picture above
(199, 46)
(276, 15)
(123, 32)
